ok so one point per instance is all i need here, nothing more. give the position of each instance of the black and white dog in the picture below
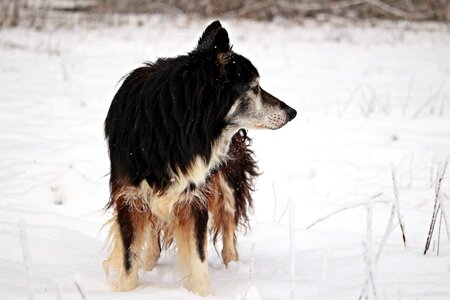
(176, 133)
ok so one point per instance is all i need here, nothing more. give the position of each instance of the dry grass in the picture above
(36, 13)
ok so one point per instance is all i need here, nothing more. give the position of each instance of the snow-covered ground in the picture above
(372, 101)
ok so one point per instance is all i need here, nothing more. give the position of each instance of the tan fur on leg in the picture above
(152, 248)
(114, 266)
(221, 205)
(194, 271)
(229, 252)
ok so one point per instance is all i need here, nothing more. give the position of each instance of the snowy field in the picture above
(372, 102)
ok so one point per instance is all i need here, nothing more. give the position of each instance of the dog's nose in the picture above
(291, 113)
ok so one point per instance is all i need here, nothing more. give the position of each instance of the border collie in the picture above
(180, 158)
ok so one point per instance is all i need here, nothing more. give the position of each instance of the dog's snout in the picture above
(292, 113)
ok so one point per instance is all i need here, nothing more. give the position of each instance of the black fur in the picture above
(200, 215)
(127, 233)
(168, 112)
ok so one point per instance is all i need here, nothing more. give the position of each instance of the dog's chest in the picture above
(186, 186)
(200, 169)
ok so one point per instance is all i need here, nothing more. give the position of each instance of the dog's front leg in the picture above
(229, 252)
(191, 237)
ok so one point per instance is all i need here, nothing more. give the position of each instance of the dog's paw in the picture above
(234, 266)
(150, 261)
(149, 265)
(125, 282)
(200, 286)
(229, 256)
(120, 280)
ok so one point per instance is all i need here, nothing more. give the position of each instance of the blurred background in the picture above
(34, 12)
(354, 196)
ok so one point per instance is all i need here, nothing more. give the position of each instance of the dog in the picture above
(181, 160)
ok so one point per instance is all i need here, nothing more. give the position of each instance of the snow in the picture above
(372, 100)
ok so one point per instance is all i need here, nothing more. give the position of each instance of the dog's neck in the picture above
(221, 146)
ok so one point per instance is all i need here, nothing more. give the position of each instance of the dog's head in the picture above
(250, 106)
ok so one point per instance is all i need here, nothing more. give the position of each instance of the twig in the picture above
(429, 100)
(284, 212)
(26, 257)
(389, 229)
(80, 291)
(434, 173)
(397, 207)
(368, 256)
(444, 208)
(439, 234)
(344, 209)
(437, 207)
(390, 226)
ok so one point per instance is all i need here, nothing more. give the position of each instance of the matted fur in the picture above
(180, 158)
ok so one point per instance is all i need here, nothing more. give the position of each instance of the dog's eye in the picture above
(255, 89)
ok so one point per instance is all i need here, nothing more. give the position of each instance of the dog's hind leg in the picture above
(127, 234)
(190, 234)
(152, 248)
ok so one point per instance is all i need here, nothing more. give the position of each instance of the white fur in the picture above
(137, 197)
(228, 197)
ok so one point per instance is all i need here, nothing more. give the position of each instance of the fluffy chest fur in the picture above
(187, 186)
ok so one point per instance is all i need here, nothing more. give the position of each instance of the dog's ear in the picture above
(221, 48)
(207, 38)
(215, 41)
(221, 41)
